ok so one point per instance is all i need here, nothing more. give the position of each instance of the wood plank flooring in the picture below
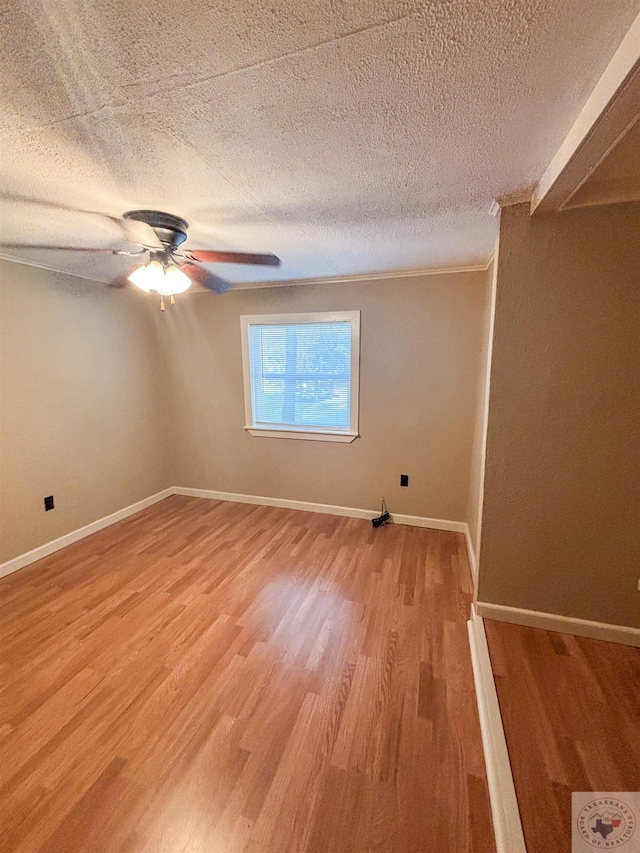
(210, 677)
(571, 714)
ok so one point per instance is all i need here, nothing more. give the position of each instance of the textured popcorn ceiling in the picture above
(347, 137)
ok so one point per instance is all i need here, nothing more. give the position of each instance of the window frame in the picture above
(307, 433)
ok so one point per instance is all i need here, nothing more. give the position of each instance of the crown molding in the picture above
(341, 279)
(522, 196)
(364, 277)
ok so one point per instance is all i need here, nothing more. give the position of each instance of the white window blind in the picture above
(301, 374)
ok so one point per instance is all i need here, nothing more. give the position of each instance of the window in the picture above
(301, 375)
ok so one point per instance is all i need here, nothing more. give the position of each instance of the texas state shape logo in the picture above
(606, 822)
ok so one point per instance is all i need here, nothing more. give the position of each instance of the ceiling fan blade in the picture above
(141, 233)
(205, 278)
(121, 280)
(59, 248)
(16, 198)
(267, 260)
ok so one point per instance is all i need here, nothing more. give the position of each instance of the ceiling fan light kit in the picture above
(166, 278)
(168, 272)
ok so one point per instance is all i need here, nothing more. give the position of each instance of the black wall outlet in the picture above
(48, 503)
(404, 479)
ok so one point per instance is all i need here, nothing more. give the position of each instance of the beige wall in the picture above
(561, 522)
(420, 345)
(477, 448)
(80, 414)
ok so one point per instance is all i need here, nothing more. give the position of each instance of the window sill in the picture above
(307, 435)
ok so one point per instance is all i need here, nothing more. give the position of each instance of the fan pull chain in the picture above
(162, 303)
(173, 301)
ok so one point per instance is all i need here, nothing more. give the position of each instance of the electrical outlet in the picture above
(404, 479)
(48, 503)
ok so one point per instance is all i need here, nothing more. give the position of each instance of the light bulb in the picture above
(148, 277)
(175, 281)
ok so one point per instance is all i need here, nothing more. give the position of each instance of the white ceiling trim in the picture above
(343, 279)
(364, 277)
(610, 110)
(519, 197)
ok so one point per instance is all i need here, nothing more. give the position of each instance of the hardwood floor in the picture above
(210, 677)
(571, 714)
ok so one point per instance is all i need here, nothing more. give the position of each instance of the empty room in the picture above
(320, 426)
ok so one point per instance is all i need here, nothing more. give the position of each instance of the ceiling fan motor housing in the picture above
(171, 230)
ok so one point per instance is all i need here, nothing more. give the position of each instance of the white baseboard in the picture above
(329, 509)
(49, 547)
(507, 826)
(56, 544)
(471, 551)
(564, 624)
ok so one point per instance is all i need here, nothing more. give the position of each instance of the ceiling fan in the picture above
(169, 269)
